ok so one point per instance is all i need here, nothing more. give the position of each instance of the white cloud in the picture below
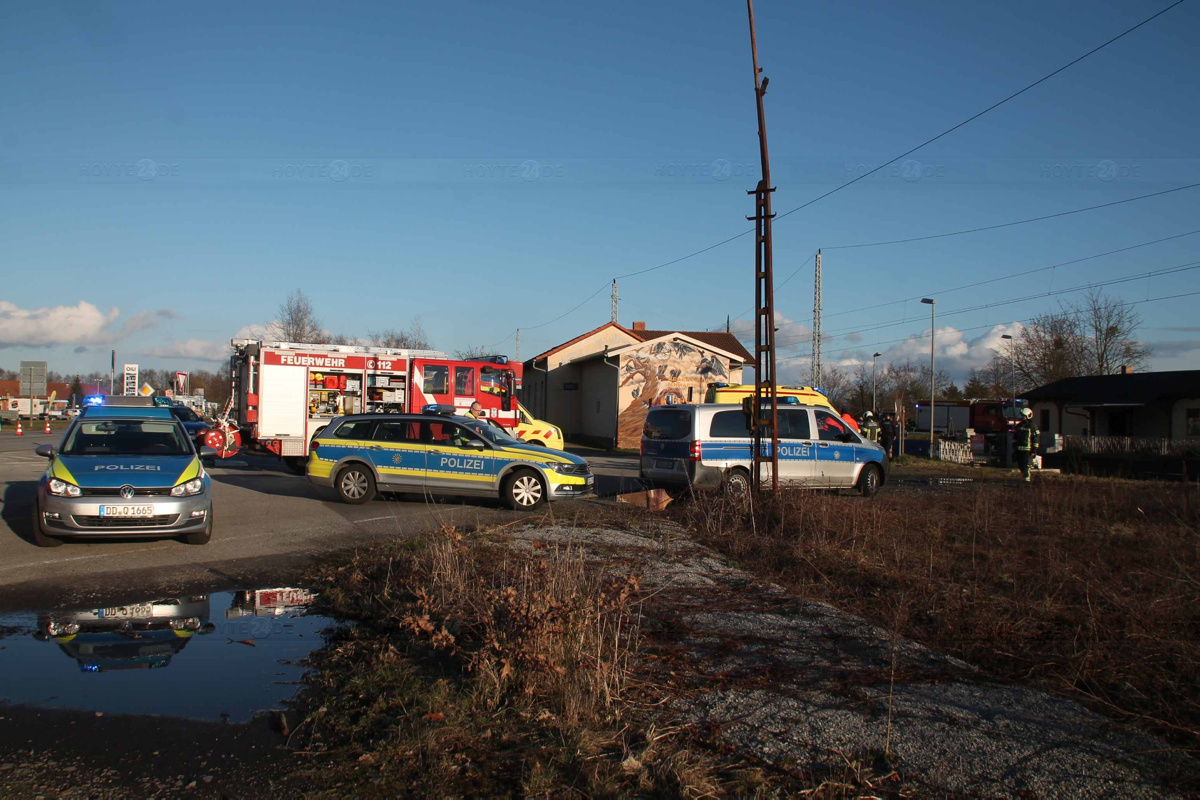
(39, 327)
(79, 324)
(254, 331)
(192, 350)
(953, 350)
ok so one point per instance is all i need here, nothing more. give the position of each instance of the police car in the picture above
(124, 471)
(709, 446)
(438, 453)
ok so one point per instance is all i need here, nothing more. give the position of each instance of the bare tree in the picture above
(1050, 348)
(472, 353)
(1108, 327)
(414, 338)
(837, 386)
(297, 321)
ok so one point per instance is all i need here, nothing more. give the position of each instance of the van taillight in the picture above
(695, 454)
(313, 445)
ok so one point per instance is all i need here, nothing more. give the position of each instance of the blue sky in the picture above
(486, 167)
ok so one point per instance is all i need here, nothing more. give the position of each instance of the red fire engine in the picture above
(284, 392)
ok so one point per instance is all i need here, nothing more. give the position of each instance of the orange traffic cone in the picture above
(18, 427)
(47, 426)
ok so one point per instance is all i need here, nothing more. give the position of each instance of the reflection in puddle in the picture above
(165, 656)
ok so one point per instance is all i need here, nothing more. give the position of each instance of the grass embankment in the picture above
(1085, 587)
(476, 671)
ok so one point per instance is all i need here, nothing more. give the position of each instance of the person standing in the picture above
(887, 433)
(475, 411)
(1025, 440)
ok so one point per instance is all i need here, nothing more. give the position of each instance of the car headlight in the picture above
(194, 486)
(63, 488)
(569, 469)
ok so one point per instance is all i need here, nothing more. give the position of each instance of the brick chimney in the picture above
(639, 326)
(1126, 369)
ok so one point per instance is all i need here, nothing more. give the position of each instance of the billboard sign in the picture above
(33, 378)
(131, 380)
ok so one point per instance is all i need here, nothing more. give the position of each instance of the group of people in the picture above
(886, 431)
(1026, 436)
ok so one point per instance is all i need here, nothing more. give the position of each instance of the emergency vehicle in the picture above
(285, 392)
(735, 393)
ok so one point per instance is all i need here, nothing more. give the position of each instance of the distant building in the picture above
(598, 386)
(1162, 405)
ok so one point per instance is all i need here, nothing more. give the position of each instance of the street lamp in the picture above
(932, 380)
(874, 403)
(1012, 363)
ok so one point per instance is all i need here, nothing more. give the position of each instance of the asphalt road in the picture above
(268, 522)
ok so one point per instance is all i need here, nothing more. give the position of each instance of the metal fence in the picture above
(1132, 445)
(958, 452)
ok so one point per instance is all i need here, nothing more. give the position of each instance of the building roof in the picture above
(1130, 389)
(13, 389)
(717, 339)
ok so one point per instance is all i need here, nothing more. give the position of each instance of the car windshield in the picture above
(492, 433)
(127, 437)
(185, 414)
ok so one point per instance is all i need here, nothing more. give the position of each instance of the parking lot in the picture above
(268, 523)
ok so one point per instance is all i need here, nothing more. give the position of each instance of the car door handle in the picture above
(824, 444)
(376, 447)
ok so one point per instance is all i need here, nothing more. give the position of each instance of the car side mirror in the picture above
(474, 444)
(207, 452)
(45, 450)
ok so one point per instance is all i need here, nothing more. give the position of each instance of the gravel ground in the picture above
(805, 686)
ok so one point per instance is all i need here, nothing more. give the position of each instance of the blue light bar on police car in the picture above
(93, 400)
(444, 409)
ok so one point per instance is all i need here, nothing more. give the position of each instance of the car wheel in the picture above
(524, 490)
(355, 484)
(204, 536)
(537, 442)
(870, 481)
(39, 537)
(737, 483)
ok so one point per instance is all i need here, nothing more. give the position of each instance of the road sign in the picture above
(33, 379)
(131, 380)
(146, 390)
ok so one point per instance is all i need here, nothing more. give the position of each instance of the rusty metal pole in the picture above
(764, 427)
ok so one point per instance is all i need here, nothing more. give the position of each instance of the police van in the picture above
(439, 453)
(709, 446)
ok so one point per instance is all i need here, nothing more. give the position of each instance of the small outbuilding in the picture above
(598, 386)
(1149, 405)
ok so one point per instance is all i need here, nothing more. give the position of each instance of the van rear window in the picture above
(729, 425)
(668, 423)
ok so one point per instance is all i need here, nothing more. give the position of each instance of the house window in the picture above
(1045, 426)
(1192, 421)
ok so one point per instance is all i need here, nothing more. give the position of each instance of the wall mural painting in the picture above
(661, 374)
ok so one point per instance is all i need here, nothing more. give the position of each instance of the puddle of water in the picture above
(227, 655)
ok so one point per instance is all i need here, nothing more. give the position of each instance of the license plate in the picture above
(127, 511)
(128, 612)
(665, 463)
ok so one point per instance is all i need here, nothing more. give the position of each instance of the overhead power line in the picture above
(981, 327)
(990, 108)
(1188, 267)
(856, 179)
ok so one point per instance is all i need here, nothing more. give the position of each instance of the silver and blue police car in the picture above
(441, 454)
(123, 472)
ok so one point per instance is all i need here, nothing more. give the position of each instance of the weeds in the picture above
(1085, 587)
(478, 672)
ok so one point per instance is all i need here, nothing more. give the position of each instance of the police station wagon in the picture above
(709, 446)
(438, 453)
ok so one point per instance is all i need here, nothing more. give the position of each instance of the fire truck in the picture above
(284, 392)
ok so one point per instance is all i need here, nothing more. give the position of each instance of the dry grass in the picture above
(1085, 587)
(478, 672)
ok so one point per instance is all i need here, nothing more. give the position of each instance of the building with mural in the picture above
(598, 386)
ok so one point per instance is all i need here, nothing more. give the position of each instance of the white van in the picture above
(708, 446)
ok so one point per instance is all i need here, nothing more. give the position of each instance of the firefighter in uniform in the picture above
(868, 427)
(1025, 440)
